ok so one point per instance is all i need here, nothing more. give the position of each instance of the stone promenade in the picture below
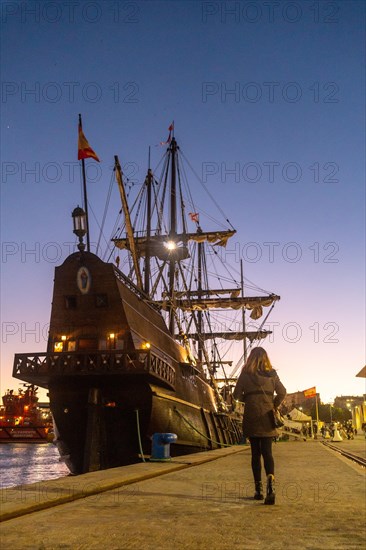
(198, 502)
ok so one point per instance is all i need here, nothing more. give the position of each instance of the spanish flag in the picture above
(84, 149)
(170, 129)
(194, 216)
(311, 392)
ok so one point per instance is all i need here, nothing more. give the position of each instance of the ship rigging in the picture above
(142, 345)
(176, 267)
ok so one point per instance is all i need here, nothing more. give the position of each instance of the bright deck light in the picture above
(170, 245)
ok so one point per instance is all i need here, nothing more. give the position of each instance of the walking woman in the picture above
(256, 385)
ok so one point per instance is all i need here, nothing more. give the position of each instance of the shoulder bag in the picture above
(274, 414)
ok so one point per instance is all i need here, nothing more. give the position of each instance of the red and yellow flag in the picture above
(170, 129)
(194, 216)
(311, 392)
(84, 149)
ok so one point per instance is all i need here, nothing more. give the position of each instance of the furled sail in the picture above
(157, 244)
(234, 292)
(247, 302)
(251, 335)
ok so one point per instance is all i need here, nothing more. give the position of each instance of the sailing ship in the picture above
(21, 419)
(134, 347)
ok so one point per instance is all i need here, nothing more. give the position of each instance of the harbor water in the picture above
(23, 463)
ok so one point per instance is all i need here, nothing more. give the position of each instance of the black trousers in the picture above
(261, 447)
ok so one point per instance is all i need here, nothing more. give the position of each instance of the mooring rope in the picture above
(139, 434)
(203, 435)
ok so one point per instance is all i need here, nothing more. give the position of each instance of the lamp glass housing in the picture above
(79, 221)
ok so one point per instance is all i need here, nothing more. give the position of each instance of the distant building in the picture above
(348, 401)
(297, 399)
(293, 400)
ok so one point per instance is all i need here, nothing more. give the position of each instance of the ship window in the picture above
(58, 346)
(70, 302)
(111, 341)
(101, 300)
(71, 345)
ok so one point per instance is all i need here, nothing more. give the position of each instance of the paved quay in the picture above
(355, 446)
(199, 502)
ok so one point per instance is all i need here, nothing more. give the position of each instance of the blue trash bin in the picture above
(161, 446)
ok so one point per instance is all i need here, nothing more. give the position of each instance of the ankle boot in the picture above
(270, 492)
(258, 495)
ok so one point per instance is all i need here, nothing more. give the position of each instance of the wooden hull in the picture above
(101, 425)
(116, 375)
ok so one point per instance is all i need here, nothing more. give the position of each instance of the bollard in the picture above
(161, 446)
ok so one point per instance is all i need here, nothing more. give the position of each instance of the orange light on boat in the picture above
(63, 338)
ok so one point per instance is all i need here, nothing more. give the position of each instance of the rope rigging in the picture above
(214, 264)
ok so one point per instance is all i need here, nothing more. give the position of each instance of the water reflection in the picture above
(22, 463)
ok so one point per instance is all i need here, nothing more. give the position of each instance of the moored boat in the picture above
(21, 419)
(134, 347)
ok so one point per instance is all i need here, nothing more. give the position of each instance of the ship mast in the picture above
(199, 294)
(245, 349)
(168, 248)
(129, 227)
(148, 183)
(173, 228)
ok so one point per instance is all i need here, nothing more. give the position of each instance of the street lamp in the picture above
(331, 405)
(79, 221)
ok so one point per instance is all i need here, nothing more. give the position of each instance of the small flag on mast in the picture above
(194, 216)
(84, 149)
(311, 392)
(171, 128)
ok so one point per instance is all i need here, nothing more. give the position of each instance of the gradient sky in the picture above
(268, 104)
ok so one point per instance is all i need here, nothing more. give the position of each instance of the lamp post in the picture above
(79, 221)
(349, 408)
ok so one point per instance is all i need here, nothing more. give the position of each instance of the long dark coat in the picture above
(257, 392)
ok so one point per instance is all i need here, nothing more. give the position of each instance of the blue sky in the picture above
(268, 104)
